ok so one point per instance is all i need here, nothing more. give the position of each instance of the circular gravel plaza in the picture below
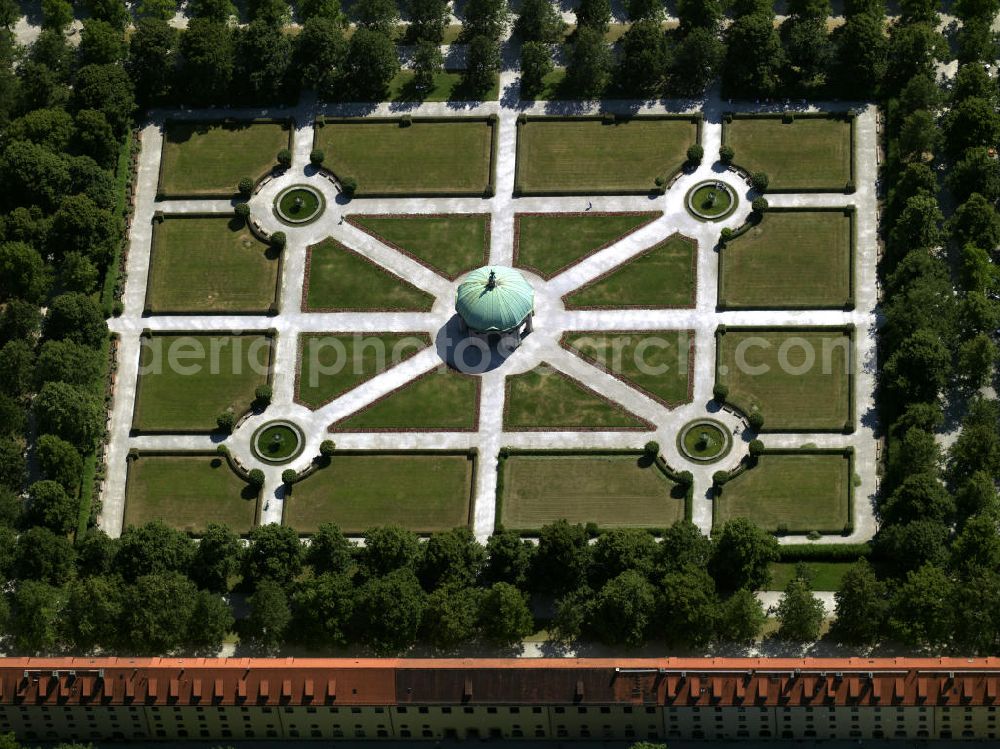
(711, 200)
(704, 441)
(278, 442)
(299, 205)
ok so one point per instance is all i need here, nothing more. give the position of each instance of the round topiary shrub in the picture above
(756, 420)
(756, 448)
(316, 156)
(327, 448)
(245, 187)
(226, 421)
(222, 450)
(720, 477)
(759, 181)
(349, 185)
(263, 394)
(651, 448)
(285, 158)
(278, 239)
(726, 154)
(406, 120)
(759, 205)
(725, 235)
(660, 180)
(686, 478)
(242, 210)
(695, 153)
(289, 475)
(720, 392)
(256, 478)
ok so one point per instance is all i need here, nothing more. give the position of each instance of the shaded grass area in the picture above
(790, 492)
(806, 153)
(424, 493)
(545, 398)
(330, 365)
(612, 491)
(825, 575)
(800, 380)
(447, 85)
(450, 245)
(657, 362)
(441, 400)
(340, 279)
(588, 155)
(188, 493)
(210, 265)
(791, 258)
(661, 277)
(548, 243)
(211, 158)
(426, 157)
(210, 374)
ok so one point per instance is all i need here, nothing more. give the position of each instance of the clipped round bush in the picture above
(316, 156)
(226, 421)
(720, 477)
(285, 157)
(289, 475)
(755, 420)
(256, 478)
(759, 181)
(245, 187)
(720, 392)
(651, 448)
(242, 210)
(660, 180)
(686, 478)
(696, 153)
(326, 448)
(759, 205)
(726, 234)
(756, 448)
(278, 239)
(263, 394)
(222, 450)
(406, 120)
(349, 185)
(726, 154)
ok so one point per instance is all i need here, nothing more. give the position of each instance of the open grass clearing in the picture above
(796, 259)
(187, 492)
(422, 492)
(338, 279)
(586, 155)
(824, 575)
(450, 245)
(794, 492)
(206, 264)
(800, 380)
(447, 85)
(547, 243)
(201, 158)
(423, 158)
(808, 153)
(612, 491)
(662, 277)
(186, 381)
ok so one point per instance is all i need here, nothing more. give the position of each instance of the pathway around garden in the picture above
(552, 318)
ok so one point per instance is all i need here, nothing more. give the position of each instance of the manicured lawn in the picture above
(188, 492)
(547, 243)
(424, 493)
(799, 379)
(545, 398)
(186, 381)
(611, 490)
(441, 400)
(790, 259)
(447, 86)
(330, 365)
(339, 279)
(426, 157)
(825, 575)
(657, 362)
(211, 158)
(450, 244)
(795, 492)
(661, 277)
(586, 155)
(807, 153)
(210, 265)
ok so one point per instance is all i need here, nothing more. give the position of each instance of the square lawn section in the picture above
(210, 264)
(188, 492)
(186, 381)
(452, 157)
(204, 159)
(585, 155)
(808, 153)
(612, 491)
(790, 260)
(424, 492)
(797, 491)
(801, 380)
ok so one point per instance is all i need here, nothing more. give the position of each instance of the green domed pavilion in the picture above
(496, 299)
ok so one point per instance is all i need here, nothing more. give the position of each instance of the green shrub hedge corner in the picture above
(222, 450)
(759, 181)
(278, 240)
(256, 477)
(285, 157)
(225, 421)
(695, 153)
(316, 156)
(349, 185)
(720, 392)
(263, 394)
(242, 210)
(759, 205)
(245, 187)
(288, 476)
(327, 448)
(652, 448)
(726, 154)
(755, 419)
(756, 448)
(720, 477)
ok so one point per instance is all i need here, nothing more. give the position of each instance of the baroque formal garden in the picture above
(694, 341)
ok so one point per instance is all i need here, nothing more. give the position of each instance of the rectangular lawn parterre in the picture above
(791, 259)
(187, 492)
(422, 492)
(612, 491)
(186, 381)
(205, 159)
(807, 153)
(825, 575)
(424, 158)
(210, 264)
(799, 379)
(585, 155)
(791, 491)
